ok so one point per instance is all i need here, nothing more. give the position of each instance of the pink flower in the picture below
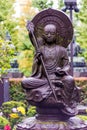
(7, 127)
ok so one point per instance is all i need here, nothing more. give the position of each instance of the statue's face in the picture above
(50, 33)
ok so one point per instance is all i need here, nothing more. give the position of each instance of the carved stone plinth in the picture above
(33, 123)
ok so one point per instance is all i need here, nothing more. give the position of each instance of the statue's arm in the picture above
(36, 67)
(64, 67)
(65, 62)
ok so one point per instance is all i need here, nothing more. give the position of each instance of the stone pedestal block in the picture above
(33, 123)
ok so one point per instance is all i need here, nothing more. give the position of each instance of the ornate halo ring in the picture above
(60, 20)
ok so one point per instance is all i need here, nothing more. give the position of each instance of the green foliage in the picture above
(25, 58)
(60, 4)
(42, 4)
(31, 111)
(82, 117)
(6, 53)
(3, 122)
(81, 26)
(7, 23)
(25, 44)
(7, 107)
(16, 91)
(83, 86)
(11, 25)
(5, 9)
(13, 111)
(26, 50)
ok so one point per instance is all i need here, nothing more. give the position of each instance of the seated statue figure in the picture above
(54, 55)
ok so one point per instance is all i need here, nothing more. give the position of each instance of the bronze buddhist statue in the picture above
(51, 88)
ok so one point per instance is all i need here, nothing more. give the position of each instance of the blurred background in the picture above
(16, 51)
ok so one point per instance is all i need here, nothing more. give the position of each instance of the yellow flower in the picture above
(14, 115)
(21, 109)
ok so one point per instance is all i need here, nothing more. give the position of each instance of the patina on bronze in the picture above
(51, 88)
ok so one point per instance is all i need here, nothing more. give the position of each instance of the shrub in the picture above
(17, 92)
(13, 111)
(3, 122)
(31, 111)
(82, 84)
(82, 117)
(8, 106)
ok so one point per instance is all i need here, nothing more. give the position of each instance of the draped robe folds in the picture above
(37, 87)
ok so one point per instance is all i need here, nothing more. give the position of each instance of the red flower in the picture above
(7, 127)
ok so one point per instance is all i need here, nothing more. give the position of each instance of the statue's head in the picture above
(56, 22)
(50, 32)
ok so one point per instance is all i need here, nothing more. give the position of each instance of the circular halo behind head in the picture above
(60, 20)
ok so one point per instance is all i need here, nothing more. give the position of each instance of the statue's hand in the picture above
(58, 69)
(30, 26)
(38, 54)
(60, 72)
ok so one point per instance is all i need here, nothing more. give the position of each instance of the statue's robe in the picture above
(37, 86)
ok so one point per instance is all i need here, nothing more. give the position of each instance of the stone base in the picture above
(32, 123)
